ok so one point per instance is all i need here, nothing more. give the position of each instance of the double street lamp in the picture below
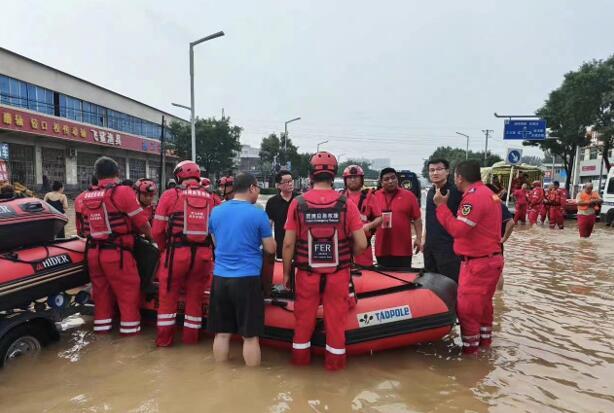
(191, 107)
(286, 131)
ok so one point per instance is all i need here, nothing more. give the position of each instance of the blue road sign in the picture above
(526, 130)
(513, 156)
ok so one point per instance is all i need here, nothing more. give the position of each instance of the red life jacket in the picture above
(189, 219)
(323, 244)
(102, 217)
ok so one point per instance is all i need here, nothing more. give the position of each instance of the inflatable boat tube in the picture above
(28, 274)
(28, 221)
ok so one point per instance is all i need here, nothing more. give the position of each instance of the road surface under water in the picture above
(553, 351)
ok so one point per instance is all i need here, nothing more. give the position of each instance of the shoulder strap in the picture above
(302, 203)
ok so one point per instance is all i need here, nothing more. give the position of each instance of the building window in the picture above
(71, 108)
(40, 99)
(593, 153)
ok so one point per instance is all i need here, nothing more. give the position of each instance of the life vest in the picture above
(189, 219)
(584, 197)
(537, 196)
(362, 206)
(101, 217)
(323, 244)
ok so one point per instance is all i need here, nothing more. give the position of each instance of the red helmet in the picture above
(186, 170)
(537, 183)
(145, 186)
(323, 163)
(206, 182)
(226, 180)
(353, 170)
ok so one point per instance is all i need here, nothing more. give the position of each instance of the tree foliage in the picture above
(364, 164)
(584, 100)
(275, 151)
(217, 142)
(455, 155)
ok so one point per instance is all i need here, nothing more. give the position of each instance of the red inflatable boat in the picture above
(28, 221)
(394, 309)
(28, 274)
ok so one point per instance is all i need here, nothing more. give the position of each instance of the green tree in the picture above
(455, 155)
(217, 142)
(273, 155)
(365, 165)
(583, 101)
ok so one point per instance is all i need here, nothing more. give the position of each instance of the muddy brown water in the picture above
(553, 351)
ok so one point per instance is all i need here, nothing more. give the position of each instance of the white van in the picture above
(607, 208)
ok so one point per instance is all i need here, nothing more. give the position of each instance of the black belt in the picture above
(467, 258)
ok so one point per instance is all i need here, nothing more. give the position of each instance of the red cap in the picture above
(353, 170)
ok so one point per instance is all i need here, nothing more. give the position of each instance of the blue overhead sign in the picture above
(526, 130)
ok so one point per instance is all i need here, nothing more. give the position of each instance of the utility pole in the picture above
(467, 150)
(487, 132)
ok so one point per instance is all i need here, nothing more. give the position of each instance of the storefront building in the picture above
(53, 127)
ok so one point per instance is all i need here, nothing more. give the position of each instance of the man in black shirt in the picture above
(438, 253)
(277, 207)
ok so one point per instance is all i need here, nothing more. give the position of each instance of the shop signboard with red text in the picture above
(30, 122)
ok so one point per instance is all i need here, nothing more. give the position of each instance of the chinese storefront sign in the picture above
(24, 121)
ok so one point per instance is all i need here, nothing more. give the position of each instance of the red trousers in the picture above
(555, 217)
(477, 283)
(533, 214)
(336, 305)
(586, 224)
(543, 213)
(115, 279)
(183, 278)
(521, 213)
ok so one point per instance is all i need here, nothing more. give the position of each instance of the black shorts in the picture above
(236, 306)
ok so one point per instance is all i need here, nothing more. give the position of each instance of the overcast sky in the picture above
(380, 79)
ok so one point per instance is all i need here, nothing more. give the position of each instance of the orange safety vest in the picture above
(584, 197)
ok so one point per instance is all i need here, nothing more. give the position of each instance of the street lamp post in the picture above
(320, 143)
(467, 150)
(286, 132)
(193, 127)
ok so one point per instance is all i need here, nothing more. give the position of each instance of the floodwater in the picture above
(553, 351)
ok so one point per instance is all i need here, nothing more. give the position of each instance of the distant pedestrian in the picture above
(521, 195)
(57, 199)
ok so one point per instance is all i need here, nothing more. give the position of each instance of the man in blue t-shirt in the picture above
(239, 229)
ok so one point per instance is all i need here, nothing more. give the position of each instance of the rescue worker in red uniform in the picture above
(323, 231)
(82, 230)
(370, 214)
(206, 183)
(536, 200)
(522, 202)
(113, 217)
(564, 197)
(145, 192)
(226, 187)
(554, 198)
(182, 232)
(477, 240)
(400, 212)
(589, 204)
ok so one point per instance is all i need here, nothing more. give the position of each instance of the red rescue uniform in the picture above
(369, 210)
(477, 240)
(521, 196)
(555, 199)
(79, 224)
(399, 210)
(335, 298)
(111, 217)
(181, 231)
(536, 203)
